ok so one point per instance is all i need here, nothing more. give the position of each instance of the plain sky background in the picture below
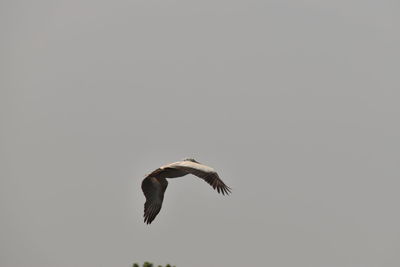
(296, 104)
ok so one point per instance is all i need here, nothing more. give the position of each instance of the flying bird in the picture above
(155, 184)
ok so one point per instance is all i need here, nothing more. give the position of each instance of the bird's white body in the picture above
(189, 164)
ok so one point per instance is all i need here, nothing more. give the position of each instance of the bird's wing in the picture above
(208, 174)
(167, 172)
(153, 189)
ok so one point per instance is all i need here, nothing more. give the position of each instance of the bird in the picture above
(155, 183)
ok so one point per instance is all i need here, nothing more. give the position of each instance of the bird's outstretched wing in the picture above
(153, 189)
(208, 174)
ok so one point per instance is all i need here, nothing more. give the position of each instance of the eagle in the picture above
(155, 183)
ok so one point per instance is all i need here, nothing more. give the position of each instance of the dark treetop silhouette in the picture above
(148, 264)
(155, 184)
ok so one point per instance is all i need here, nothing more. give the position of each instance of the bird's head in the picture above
(192, 160)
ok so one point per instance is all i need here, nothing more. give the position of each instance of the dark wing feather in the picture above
(214, 180)
(153, 189)
(211, 177)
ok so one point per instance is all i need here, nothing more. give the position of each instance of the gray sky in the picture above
(294, 103)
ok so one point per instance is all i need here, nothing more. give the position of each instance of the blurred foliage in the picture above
(148, 264)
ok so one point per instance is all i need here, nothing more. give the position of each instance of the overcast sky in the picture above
(296, 104)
